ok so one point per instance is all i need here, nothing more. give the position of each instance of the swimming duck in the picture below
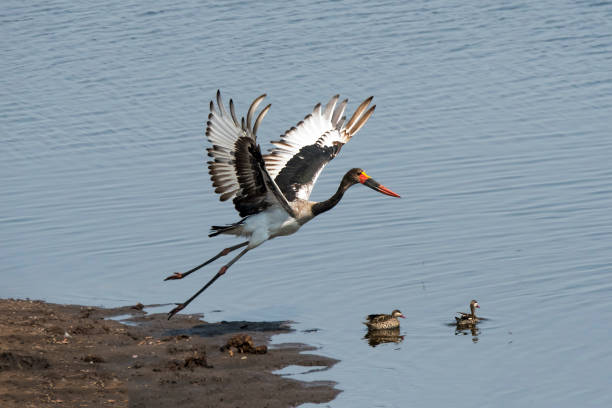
(468, 319)
(384, 321)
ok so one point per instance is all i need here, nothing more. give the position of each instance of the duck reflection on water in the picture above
(474, 331)
(376, 337)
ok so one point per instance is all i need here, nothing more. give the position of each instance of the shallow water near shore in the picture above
(492, 123)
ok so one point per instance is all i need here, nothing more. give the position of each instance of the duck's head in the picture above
(397, 313)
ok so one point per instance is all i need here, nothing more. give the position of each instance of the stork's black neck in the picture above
(331, 202)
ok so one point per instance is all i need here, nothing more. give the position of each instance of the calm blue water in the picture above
(493, 122)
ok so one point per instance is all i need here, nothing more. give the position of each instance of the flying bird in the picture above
(271, 192)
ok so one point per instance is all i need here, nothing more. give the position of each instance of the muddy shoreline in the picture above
(76, 356)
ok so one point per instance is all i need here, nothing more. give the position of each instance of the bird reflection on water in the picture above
(475, 331)
(376, 337)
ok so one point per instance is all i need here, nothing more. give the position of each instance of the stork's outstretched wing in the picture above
(238, 169)
(304, 150)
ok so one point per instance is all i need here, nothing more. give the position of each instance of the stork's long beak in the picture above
(370, 182)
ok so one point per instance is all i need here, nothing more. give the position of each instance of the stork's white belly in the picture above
(268, 224)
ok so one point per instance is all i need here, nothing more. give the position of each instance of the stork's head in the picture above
(354, 176)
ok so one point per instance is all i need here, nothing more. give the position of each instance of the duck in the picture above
(467, 320)
(384, 321)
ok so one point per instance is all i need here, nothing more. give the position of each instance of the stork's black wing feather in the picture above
(238, 169)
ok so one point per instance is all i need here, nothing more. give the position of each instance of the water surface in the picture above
(492, 122)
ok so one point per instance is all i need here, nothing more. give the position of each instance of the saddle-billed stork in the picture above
(270, 192)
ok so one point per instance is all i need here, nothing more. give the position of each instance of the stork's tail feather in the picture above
(219, 229)
(233, 229)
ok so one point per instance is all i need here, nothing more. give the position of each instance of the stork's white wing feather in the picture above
(303, 151)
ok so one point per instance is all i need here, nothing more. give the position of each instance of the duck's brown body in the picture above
(466, 320)
(383, 321)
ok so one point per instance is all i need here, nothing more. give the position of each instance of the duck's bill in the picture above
(402, 316)
(369, 181)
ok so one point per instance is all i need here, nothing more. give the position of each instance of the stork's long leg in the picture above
(179, 275)
(223, 269)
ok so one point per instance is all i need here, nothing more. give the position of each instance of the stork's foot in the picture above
(178, 308)
(175, 275)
